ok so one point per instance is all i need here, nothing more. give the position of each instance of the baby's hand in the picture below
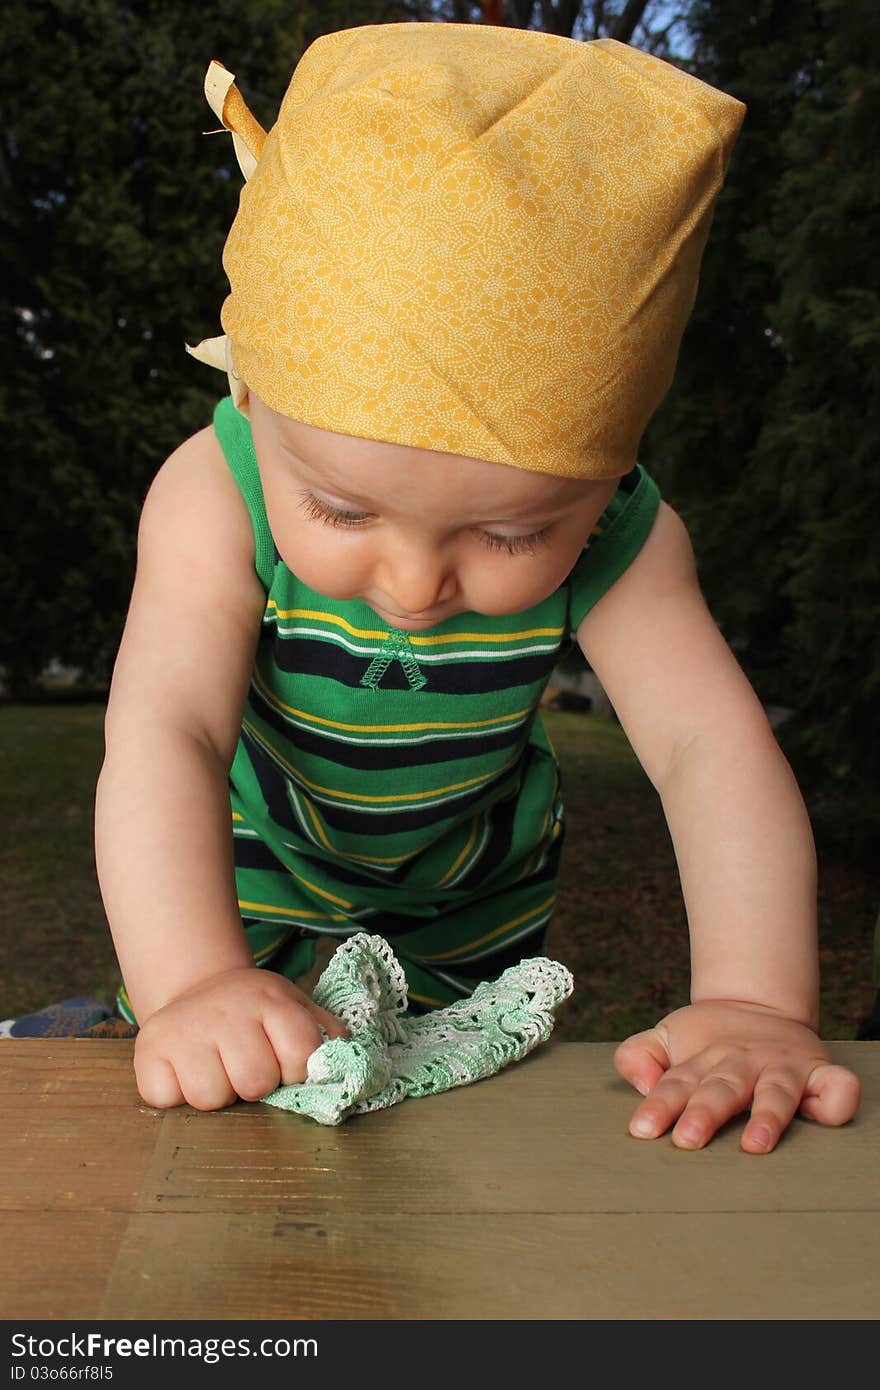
(704, 1064)
(240, 1033)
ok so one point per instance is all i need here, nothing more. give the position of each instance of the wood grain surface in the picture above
(522, 1196)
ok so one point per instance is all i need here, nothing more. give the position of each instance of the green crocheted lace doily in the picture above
(390, 1055)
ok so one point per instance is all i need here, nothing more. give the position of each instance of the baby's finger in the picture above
(722, 1093)
(642, 1060)
(250, 1061)
(204, 1079)
(664, 1105)
(832, 1094)
(293, 1034)
(775, 1103)
(157, 1081)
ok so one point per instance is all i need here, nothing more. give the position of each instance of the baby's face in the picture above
(418, 535)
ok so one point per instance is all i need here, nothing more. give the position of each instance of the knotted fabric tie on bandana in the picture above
(391, 1055)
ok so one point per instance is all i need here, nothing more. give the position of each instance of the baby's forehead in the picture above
(348, 461)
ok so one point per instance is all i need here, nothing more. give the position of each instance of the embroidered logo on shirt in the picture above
(396, 647)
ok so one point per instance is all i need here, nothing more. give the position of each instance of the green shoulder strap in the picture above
(234, 433)
(620, 533)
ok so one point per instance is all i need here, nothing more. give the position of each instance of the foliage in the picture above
(654, 25)
(114, 212)
(766, 442)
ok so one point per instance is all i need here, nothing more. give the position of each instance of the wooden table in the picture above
(519, 1197)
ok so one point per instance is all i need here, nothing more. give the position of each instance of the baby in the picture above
(460, 272)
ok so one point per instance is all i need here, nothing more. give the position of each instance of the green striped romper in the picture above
(402, 783)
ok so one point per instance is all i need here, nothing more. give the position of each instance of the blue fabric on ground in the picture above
(80, 1017)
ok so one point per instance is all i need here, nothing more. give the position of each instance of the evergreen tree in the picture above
(113, 214)
(114, 211)
(822, 428)
(766, 441)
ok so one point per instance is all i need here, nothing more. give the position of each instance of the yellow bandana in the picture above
(473, 239)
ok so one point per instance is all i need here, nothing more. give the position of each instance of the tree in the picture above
(114, 212)
(649, 24)
(822, 428)
(766, 441)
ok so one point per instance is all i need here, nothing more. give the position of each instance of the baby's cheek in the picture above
(511, 583)
(325, 565)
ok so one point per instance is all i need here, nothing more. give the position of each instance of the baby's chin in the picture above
(413, 622)
(420, 621)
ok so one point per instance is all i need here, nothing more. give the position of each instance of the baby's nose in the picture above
(416, 577)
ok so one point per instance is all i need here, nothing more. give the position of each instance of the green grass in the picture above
(620, 924)
(54, 943)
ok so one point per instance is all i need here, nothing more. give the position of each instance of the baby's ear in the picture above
(229, 106)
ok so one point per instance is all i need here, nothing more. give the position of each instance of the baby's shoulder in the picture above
(198, 461)
(196, 474)
(194, 499)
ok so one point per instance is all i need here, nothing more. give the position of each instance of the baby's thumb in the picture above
(831, 1095)
(333, 1026)
(642, 1059)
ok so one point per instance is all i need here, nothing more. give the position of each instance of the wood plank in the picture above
(472, 1149)
(545, 1136)
(56, 1263)
(640, 1266)
(521, 1196)
(74, 1133)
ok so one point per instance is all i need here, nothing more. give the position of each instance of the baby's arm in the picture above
(745, 855)
(212, 1026)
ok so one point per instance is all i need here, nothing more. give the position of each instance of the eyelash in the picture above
(515, 545)
(331, 516)
(316, 510)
